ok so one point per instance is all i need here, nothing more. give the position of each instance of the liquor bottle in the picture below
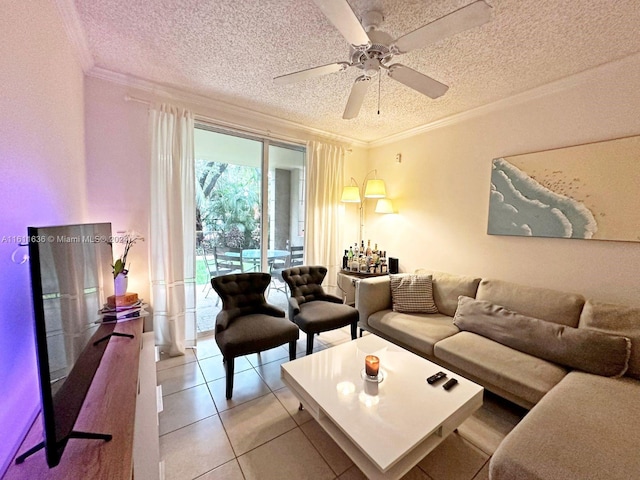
(353, 264)
(350, 254)
(362, 247)
(375, 255)
(368, 251)
(345, 260)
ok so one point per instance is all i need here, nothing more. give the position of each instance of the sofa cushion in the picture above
(448, 287)
(587, 350)
(543, 303)
(526, 377)
(417, 331)
(616, 319)
(412, 293)
(586, 428)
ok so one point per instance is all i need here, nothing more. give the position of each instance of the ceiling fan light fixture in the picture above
(371, 67)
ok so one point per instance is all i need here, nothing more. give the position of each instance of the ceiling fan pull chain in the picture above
(379, 80)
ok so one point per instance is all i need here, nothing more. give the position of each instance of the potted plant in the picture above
(120, 270)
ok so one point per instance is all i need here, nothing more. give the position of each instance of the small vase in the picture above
(120, 284)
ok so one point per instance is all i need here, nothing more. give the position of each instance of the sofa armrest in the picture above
(372, 295)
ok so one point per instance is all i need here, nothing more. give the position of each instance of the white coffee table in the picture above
(385, 428)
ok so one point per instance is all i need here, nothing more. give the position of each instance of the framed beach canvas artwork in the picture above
(589, 191)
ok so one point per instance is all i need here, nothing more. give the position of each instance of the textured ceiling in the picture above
(230, 50)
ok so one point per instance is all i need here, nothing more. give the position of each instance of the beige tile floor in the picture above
(261, 434)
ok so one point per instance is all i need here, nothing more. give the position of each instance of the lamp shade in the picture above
(384, 205)
(350, 194)
(375, 189)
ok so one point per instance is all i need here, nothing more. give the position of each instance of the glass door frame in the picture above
(264, 178)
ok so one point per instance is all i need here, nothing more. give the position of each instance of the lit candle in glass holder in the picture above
(371, 365)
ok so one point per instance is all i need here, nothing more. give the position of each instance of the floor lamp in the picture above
(373, 188)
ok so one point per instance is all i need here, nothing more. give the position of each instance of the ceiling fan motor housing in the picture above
(378, 54)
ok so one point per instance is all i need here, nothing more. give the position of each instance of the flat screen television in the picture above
(71, 278)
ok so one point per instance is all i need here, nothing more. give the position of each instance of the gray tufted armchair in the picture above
(312, 309)
(247, 323)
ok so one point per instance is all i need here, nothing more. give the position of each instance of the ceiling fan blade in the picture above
(310, 72)
(473, 15)
(342, 17)
(416, 80)
(356, 97)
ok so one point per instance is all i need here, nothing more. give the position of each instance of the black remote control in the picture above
(436, 378)
(450, 384)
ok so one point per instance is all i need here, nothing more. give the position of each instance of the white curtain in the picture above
(172, 239)
(325, 168)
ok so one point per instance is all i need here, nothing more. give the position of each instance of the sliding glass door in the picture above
(249, 207)
(228, 192)
(286, 197)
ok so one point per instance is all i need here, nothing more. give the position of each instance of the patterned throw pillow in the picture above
(412, 293)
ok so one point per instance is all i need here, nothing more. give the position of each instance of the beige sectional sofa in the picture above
(573, 362)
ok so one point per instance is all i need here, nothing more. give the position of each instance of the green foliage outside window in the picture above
(227, 204)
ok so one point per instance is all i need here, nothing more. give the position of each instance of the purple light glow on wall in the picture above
(19, 392)
(27, 195)
(43, 182)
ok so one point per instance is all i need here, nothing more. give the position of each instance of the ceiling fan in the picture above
(373, 49)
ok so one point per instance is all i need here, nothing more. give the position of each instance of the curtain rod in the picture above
(222, 124)
(129, 98)
(234, 126)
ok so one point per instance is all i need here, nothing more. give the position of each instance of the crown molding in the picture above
(276, 123)
(75, 33)
(556, 86)
(223, 110)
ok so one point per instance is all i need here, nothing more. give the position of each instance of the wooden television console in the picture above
(122, 401)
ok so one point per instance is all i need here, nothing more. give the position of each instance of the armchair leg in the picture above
(354, 330)
(292, 350)
(309, 343)
(229, 364)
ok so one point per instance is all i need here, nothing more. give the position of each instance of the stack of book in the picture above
(121, 308)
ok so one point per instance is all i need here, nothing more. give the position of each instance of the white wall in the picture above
(441, 189)
(42, 183)
(118, 171)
